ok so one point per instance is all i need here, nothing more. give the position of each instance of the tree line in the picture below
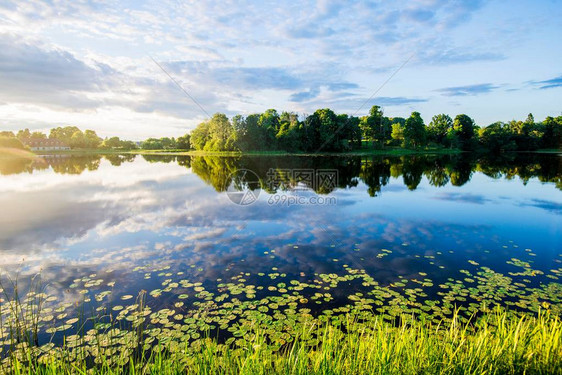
(325, 131)
(75, 138)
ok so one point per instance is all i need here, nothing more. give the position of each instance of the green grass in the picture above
(363, 151)
(495, 343)
(274, 336)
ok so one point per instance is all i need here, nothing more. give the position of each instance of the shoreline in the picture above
(387, 152)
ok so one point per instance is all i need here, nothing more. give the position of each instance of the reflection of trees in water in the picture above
(215, 171)
(547, 168)
(184, 161)
(117, 159)
(61, 164)
(289, 171)
(374, 171)
(460, 169)
(412, 170)
(437, 174)
(74, 164)
(159, 158)
(13, 165)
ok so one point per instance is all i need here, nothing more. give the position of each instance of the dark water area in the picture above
(164, 224)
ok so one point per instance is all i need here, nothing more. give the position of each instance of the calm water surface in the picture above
(396, 218)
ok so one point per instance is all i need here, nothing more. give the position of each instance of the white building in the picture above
(39, 144)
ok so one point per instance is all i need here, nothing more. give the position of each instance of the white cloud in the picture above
(86, 62)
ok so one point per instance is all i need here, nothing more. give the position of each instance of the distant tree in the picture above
(397, 120)
(168, 143)
(184, 142)
(329, 137)
(10, 142)
(439, 127)
(128, 145)
(63, 133)
(497, 137)
(464, 130)
(113, 142)
(351, 132)
(7, 134)
(200, 136)
(38, 135)
(269, 123)
(398, 132)
(552, 136)
(414, 131)
(221, 134)
(91, 139)
(324, 130)
(530, 119)
(376, 127)
(289, 137)
(77, 140)
(23, 134)
(152, 144)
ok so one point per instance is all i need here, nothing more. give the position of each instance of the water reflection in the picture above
(374, 171)
(70, 216)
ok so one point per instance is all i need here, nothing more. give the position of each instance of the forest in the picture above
(325, 131)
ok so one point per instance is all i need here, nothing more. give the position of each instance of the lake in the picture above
(416, 234)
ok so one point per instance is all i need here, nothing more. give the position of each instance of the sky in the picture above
(106, 65)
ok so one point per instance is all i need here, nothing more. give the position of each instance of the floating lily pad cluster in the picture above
(182, 312)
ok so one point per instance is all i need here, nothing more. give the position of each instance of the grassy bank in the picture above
(497, 343)
(344, 322)
(360, 152)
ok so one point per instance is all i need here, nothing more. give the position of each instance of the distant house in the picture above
(39, 144)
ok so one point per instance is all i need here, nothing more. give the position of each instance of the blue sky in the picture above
(88, 63)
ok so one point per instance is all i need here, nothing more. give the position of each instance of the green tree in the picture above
(397, 132)
(439, 127)
(23, 134)
(552, 136)
(152, 144)
(351, 132)
(221, 134)
(63, 134)
(113, 142)
(10, 142)
(91, 139)
(184, 142)
(269, 123)
(248, 135)
(200, 136)
(464, 130)
(7, 134)
(375, 127)
(414, 131)
(328, 130)
(497, 137)
(128, 145)
(289, 136)
(38, 135)
(77, 140)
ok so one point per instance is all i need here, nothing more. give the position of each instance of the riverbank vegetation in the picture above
(341, 323)
(325, 132)
(497, 343)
